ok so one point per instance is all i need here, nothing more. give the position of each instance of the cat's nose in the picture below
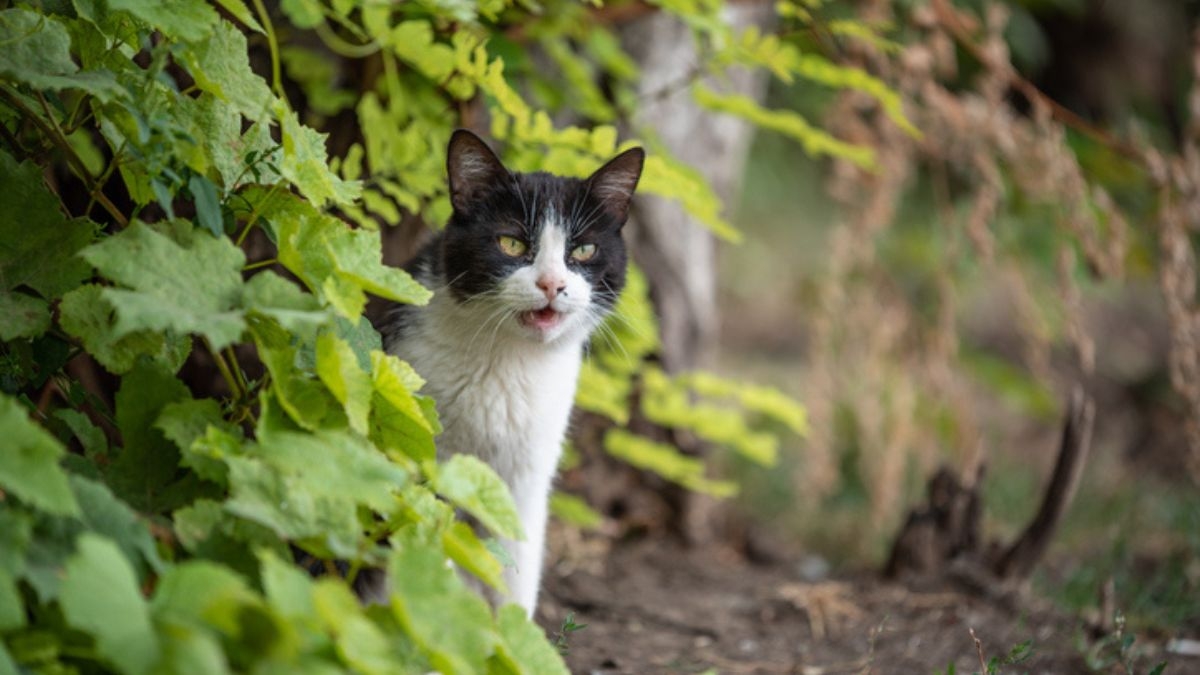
(552, 285)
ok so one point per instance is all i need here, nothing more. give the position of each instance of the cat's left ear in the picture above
(615, 182)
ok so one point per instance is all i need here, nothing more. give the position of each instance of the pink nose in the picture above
(551, 285)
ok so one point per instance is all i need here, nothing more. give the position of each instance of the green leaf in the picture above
(99, 594)
(188, 288)
(311, 486)
(12, 611)
(574, 511)
(360, 643)
(305, 164)
(239, 10)
(90, 436)
(288, 589)
(185, 421)
(271, 295)
(37, 51)
(37, 242)
(106, 515)
(208, 204)
(144, 470)
(473, 486)
(221, 66)
(356, 257)
(338, 368)
(428, 599)
(24, 316)
(523, 647)
(86, 315)
(300, 395)
(303, 13)
(30, 468)
(337, 465)
(7, 666)
(400, 421)
(16, 534)
(202, 593)
(188, 20)
(816, 142)
(465, 549)
(666, 461)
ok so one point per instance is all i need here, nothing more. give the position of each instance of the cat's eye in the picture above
(512, 247)
(583, 252)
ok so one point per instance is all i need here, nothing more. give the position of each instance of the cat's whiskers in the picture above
(590, 219)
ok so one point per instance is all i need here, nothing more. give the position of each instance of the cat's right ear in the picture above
(472, 167)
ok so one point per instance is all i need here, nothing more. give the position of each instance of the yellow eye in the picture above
(583, 252)
(512, 247)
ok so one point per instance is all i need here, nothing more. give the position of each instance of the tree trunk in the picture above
(675, 251)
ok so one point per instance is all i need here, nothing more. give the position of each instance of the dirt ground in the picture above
(656, 607)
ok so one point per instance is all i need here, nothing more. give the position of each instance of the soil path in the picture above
(656, 607)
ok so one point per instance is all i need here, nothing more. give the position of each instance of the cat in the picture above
(527, 267)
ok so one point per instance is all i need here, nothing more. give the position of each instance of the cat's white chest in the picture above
(510, 410)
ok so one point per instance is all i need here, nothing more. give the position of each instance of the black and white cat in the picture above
(527, 267)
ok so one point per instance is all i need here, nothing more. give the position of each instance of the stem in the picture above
(237, 370)
(260, 264)
(343, 47)
(276, 78)
(254, 215)
(226, 373)
(54, 133)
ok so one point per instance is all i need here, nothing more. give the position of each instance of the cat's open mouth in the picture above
(541, 319)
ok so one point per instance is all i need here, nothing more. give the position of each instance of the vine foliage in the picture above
(170, 211)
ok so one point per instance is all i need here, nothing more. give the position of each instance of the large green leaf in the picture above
(29, 466)
(221, 66)
(143, 472)
(271, 295)
(104, 514)
(429, 598)
(338, 368)
(523, 648)
(401, 421)
(12, 610)
(100, 595)
(37, 51)
(202, 593)
(305, 163)
(473, 486)
(24, 316)
(467, 551)
(191, 287)
(335, 261)
(189, 20)
(37, 242)
(84, 313)
(311, 486)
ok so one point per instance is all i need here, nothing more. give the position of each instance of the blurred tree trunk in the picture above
(676, 252)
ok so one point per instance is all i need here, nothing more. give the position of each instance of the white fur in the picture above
(504, 390)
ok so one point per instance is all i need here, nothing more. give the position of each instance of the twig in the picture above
(1019, 560)
(54, 133)
(979, 650)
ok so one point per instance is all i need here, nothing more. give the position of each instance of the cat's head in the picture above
(539, 255)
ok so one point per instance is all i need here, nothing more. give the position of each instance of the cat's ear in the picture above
(472, 168)
(615, 182)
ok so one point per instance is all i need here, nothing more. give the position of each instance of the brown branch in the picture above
(949, 19)
(1020, 558)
